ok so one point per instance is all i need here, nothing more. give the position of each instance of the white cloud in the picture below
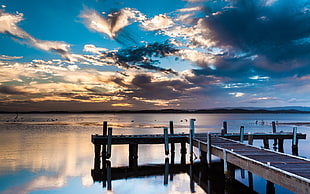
(159, 22)
(113, 23)
(5, 57)
(93, 49)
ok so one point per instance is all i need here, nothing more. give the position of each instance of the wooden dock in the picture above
(288, 171)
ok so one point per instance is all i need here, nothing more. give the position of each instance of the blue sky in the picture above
(189, 54)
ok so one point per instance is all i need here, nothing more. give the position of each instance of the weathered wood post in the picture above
(274, 130)
(133, 156)
(295, 142)
(172, 145)
(241, 134)
(166, 141)
(109, 147)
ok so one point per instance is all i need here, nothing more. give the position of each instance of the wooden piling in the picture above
(105, 128)
(104, 146)
(295, 142)
(133, 156)
(270, 189)
(109, 147)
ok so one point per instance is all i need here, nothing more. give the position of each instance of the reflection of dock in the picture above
(290, 172)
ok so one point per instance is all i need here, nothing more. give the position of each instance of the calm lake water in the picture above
(53, 153)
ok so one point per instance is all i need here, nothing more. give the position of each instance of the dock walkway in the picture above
(290, 172)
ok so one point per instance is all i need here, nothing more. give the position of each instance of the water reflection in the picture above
(41, 155)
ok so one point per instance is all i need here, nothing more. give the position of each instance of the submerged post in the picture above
(109, 147)
(295, 142)
(166, 171)
(109, 175)
(166, 141)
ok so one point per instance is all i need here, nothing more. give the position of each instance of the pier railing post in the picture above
(295, 142)
(191, 137)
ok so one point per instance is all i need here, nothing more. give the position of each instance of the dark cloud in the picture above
(10, 90)
(275, 37)
(143, 57)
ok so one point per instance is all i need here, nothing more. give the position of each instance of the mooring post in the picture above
(109, 147)
(192, 126)
(241, 134)
(166, 141)
(274, 130)
(209, 149)
(133, 156)
(295, 142)
(105, 128)
(172, 145)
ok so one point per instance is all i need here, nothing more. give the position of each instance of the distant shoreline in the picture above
(175, 111)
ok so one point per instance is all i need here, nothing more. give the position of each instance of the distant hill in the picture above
(285, 109)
